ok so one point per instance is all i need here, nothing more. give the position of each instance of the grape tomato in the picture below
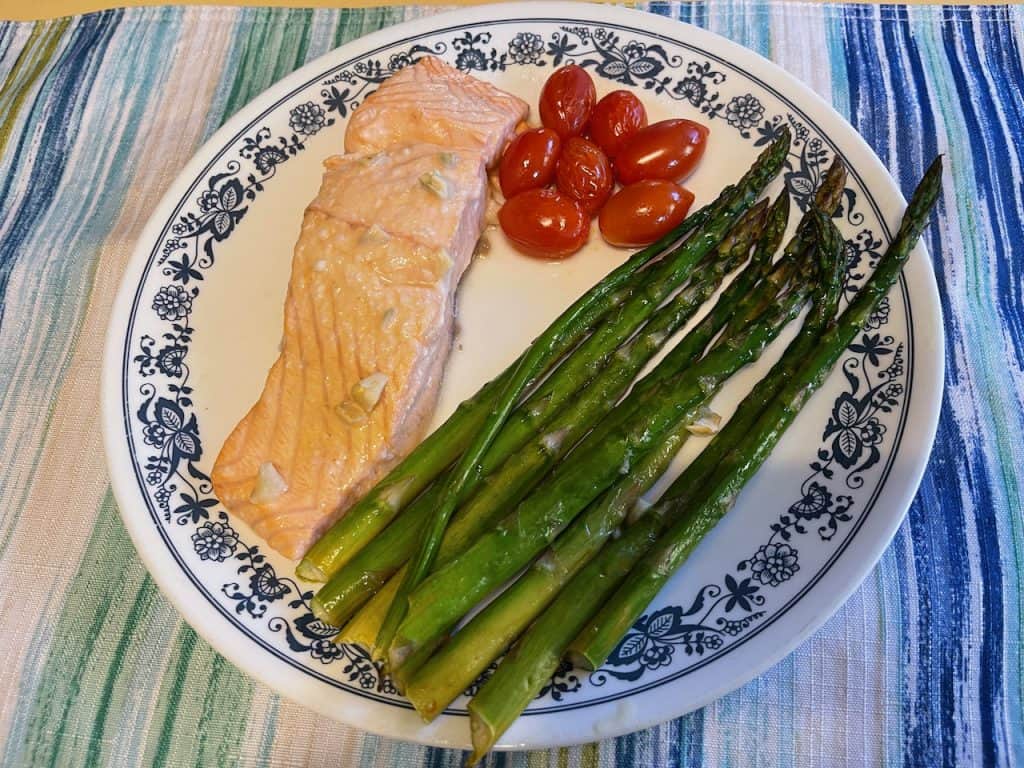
(640, 213)
(669, 150)
(566, 101)
(544, 223)
(584, 173)
(615, 118)
(529, 161)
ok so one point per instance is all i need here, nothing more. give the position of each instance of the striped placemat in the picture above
(922, 667)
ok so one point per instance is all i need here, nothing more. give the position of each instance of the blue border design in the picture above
(851, 535)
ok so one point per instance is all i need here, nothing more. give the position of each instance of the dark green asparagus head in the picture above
(920, 207)
(828, 249)
(768, 163)
(774, 228)
(745, 231)
(830, 192)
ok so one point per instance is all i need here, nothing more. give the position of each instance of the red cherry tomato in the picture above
(566, 100)
(665, 150)
(584, 173)
(544, 223)
(642, 212)
(615, 118)
(529, 161)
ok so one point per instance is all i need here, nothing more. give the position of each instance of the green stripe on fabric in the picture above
(30, 64)
(188, 726)
(267, 44)
(105, 593)
(46, 271)
(171, 693)
(356, 22)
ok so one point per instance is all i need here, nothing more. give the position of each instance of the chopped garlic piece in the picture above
(435, 183)
(552, 441)
(374, 235)
(637, 511)
(269, 484)
(351, 413)
(707, 422)
(483, 246)
(368, 391)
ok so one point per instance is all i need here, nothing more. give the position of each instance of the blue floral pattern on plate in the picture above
(852, 441)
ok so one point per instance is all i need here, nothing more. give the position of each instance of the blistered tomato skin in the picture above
(669, 150)
(640, 213)
(584, 173)
(615, 118)
(529, 161)
(567, 100)
(544, 223)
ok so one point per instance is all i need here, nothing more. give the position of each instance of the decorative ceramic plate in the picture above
(198, 319)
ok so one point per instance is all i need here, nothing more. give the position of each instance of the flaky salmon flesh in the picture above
(370, 306)
(433, 102)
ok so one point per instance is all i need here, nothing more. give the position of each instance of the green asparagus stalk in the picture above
(538, 357)
(364, 626)
(471, 650)
(454, 667)
(687, 351)
(437, 452)
(497, 555)
(356, 582)
(675, 545)
(537, 654)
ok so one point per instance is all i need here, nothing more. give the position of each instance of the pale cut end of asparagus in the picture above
(483, 736)
(579, 661)
(307, 571)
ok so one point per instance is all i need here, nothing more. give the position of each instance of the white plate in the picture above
(198, 318)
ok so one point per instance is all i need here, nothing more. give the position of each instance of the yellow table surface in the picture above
(40, 9)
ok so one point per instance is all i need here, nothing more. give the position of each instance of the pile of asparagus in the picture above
(530, 490)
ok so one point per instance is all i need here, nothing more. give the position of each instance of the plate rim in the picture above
(211, 627)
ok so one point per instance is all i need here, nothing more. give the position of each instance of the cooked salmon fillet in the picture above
(371, 295)
(435, 103)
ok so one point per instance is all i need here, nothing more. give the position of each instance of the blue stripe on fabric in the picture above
(979, 111)
(8, 30)
(687, 740)
(996, 183)
(73, 73)
(940, 551)
(836, 39)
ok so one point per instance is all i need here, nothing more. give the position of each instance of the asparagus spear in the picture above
(618, 558)
(674, 546)
(355, 583)
(497, 555)
(537, 654)
(454, 667)
(362, 630)
(434, 455)
(471, 525)
(537, 359)
(364, 627)
(405, 482)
